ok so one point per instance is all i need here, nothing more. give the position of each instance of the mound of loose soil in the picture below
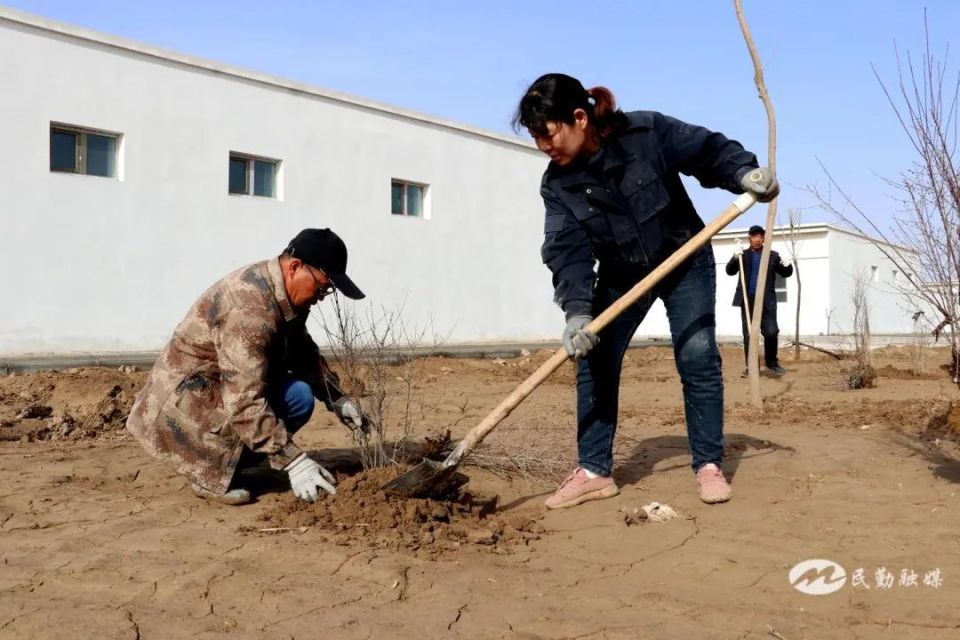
(945, 422)
(76, 404)
(895, 373)
(362, 512)
(910, 415)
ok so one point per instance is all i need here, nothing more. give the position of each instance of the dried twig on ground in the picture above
(529, 451)
(832, 354)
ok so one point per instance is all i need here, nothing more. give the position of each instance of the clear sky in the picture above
(470, 62)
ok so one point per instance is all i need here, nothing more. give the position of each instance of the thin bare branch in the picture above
(753, 362)
(923, 240)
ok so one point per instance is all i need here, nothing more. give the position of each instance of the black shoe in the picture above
(745, 374)
(777, 370)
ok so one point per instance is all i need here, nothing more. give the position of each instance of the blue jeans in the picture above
(689, 295)
(291, 401)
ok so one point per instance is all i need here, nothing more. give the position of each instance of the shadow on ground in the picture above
(648, 454)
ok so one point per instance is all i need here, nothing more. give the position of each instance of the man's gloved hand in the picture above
(306, 476)
(576, 341)
(350, 415)
(761, 183)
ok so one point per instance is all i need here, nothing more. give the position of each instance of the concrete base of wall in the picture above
(145, 359)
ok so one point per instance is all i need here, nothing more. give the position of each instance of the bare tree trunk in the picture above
(796, 342)
(793, 217)
(753, 361)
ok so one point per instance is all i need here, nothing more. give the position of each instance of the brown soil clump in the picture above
(895, 373)
(945, 422)
(76, 404)
(362, 513)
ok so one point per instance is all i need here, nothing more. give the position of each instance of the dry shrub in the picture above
(377, 356)
(862, 375)
(531, 451)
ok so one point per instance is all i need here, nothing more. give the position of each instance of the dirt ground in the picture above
(99, 541)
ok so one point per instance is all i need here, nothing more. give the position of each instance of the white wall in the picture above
(829, 260)
(814, 265)
(890, 311)
(98, 264)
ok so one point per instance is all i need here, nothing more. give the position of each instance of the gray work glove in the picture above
(761, 183)
(350, 415)
(306, 476)
(576, 341)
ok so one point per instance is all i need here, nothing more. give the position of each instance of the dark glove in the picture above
(761, 183)
(350, 415)
(576, 341)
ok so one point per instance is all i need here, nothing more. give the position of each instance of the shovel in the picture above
(429, 475)
(743, 288)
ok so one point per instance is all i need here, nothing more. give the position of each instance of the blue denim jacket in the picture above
(625, 207)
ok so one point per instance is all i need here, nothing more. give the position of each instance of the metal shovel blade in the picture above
(421, 480)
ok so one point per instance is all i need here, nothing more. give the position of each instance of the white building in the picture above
(830, 259)
(112, 263)
(132, 178)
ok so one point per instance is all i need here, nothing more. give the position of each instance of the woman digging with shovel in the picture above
(614, 201)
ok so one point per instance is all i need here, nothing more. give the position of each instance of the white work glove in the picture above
(761, 183)
(576, 341)
(350, 415)
(306, 475)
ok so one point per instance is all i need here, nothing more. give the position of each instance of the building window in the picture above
(875, 274)
(84, 151)
(252, 176)
(407, 198)
(780, 286)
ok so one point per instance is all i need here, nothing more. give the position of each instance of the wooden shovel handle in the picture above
(476, 435)
(743, 291)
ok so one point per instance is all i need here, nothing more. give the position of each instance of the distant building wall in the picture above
(112, 263)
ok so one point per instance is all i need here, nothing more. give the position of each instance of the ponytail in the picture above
(554, 97)
(609, 121)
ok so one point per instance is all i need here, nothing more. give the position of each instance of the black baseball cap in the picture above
(323, 249)
(755, 230)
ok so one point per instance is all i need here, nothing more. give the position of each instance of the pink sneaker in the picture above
(578, 487)
(713, 486)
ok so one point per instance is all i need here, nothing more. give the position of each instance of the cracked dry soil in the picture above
(99, 541)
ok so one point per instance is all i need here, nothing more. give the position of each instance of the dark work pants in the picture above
(769, 330)
(292, 401)
(689, 295)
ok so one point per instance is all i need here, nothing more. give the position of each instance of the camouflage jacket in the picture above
(205, 399)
